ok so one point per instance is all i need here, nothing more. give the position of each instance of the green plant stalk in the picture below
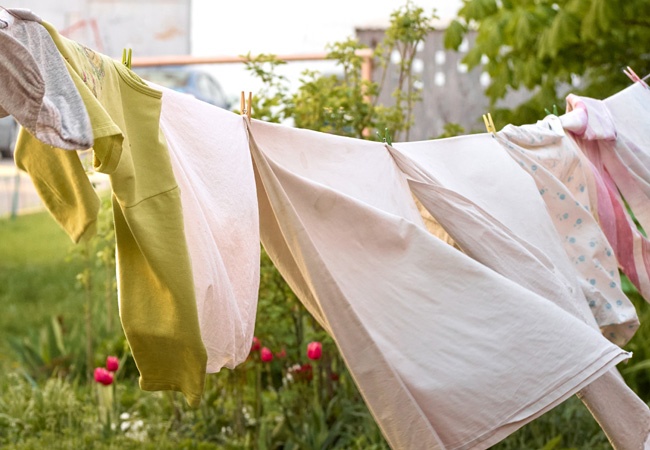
(108, 292)
(105, 395)
(316, 383)
(409, 92)
(258, 397)
(239, 380)
(88, 316)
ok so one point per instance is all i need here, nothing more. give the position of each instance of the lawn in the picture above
(37, 277)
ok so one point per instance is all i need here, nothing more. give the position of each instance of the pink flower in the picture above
(112, 363)
(314, 350)
(266, 355)
(103, 376)
(256, 344)
(281, 354)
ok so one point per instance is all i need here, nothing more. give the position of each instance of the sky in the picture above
(285, 27)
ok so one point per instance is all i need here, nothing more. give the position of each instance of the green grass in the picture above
(37, 281)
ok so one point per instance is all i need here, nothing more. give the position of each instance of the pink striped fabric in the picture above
(617, 142)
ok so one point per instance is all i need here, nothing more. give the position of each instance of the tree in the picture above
(346, 104)
(554, 47)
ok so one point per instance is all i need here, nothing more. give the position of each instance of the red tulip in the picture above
(266, 355)
(314, 350)
(112, 363)
(281, 354)
(103, 376)
(256, 344)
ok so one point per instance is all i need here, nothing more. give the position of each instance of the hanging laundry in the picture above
(446, 352)
(36, 87)
(209, 154)
(493, 211)
(614, 135)
(565, 181)
(155, 286)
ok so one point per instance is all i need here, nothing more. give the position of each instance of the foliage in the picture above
(347, 105)
(551, 47)
(409, 27)
(273, 102)
(451, 130)
(29, 410)
(49, 351)
(337, 105)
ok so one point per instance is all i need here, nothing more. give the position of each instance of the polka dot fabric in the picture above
(565, 181)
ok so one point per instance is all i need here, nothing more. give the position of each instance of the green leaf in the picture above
(553, 443)
(478, 9)
(564, 31)
(473, 57)
(643, 365)
(598, 19)
(454, 35)
(490, 36)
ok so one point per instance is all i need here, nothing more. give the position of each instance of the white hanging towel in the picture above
(209, 153)
(446, 352)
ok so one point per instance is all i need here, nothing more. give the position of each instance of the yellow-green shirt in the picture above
(156, 291)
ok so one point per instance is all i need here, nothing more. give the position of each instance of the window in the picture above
(418, 65)
(485, 79)
(464, 46)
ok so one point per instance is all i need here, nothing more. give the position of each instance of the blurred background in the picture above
(450, 93)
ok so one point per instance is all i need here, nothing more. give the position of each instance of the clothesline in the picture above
(468, 345)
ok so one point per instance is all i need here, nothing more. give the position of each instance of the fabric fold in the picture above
(495, 213)
(209, 155)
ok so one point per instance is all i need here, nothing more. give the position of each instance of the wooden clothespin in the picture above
(489, 124)
(243, 107)
(634, 77)
(126, 56)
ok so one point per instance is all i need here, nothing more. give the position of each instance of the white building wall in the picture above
(149, 27)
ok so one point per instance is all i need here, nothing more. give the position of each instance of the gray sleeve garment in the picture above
(37, 89)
